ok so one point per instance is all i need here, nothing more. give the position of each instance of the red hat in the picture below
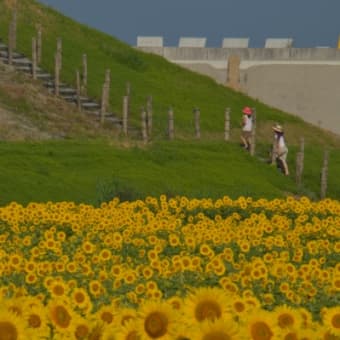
(247, 110)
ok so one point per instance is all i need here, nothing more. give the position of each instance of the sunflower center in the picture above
(216, 335)
(156, 325)
(260, 331)
(285, 320)
(81, 331)
(132, 336)
(34, 321)
(79, 297)
(291, 336)
(239, 307)
(336, 321)
(107, 317)
(62, 317)
(8, 331)
(208, 309)
(58, 290)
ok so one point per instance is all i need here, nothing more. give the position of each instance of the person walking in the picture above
(247, 127)
(280, 149)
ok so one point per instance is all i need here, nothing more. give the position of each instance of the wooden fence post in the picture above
(60, 53)
(103, 104)
(324, 175)
(171, 127)
(108, 86)
(125, 115)
(39, 46)
(144, 126)
(128, 94)
(84, 76)
(78, 90)
(299, 162)
(197, 114)
(34, 58)
(14, 29)
(227, 124)
(149, 114)
(56, 74)
(105, 96)
(253, 133)
(10, 44)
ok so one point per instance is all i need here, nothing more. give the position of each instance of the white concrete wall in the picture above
(301, 81)
(311, 92)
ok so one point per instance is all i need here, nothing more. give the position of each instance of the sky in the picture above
(309, 23)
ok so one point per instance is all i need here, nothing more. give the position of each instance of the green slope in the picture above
(93, 172)
(84, 171)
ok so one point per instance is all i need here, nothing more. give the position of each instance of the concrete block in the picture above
(149, 41)
(235, 42)
(192, 42)
(278, 43)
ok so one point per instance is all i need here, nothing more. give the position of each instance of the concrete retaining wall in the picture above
(301, 81)
(312, 92)
(270, 54)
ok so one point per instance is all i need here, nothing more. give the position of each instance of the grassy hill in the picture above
(95, 162)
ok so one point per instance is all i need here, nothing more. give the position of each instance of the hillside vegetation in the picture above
(96, 162)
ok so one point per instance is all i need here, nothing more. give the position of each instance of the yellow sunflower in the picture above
(37, 321)
(291, 334)
(58, 289)
(156, 320)
(147, 272)
(128, 332)
(336, 284)
(61, 315)
(222, 329)
(307, 334)
(176, 302)
(82, 328)
(11, 326)
(106, 314)
(14, 305)
(323, 333)
(96, 288)
(331, 320)
(97, 332)
(109, 332)
(238, 306)
(307, 319)
(259, 325)
(31, 278)
(287, 317)
(80, 297)
(184, 332)
(206, 303)
(125, 315)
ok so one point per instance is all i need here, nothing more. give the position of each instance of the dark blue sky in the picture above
(309, 22)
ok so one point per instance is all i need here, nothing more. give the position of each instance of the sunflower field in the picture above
(171, 268)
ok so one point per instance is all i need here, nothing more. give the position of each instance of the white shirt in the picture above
(280, 141)
(248, 123)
